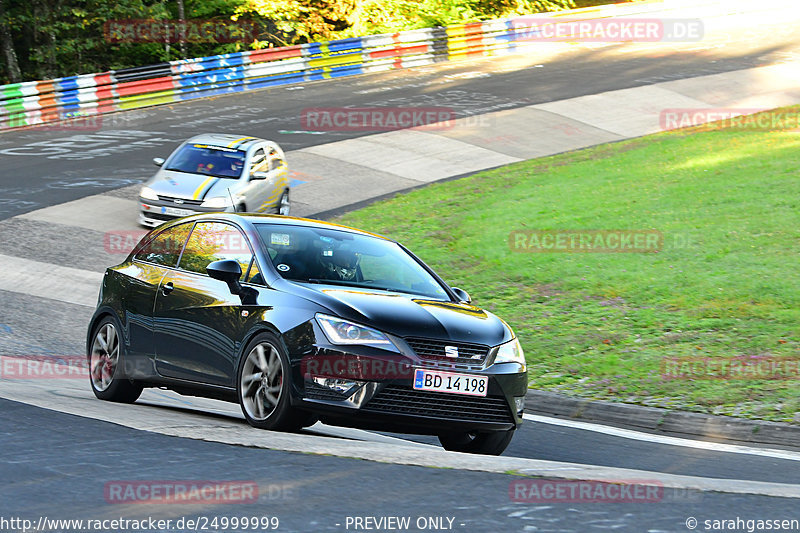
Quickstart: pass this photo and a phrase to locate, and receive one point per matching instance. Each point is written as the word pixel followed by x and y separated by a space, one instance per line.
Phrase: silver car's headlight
pixel 148 194
pixel 217 202
pixel 340 331
pixel 510 352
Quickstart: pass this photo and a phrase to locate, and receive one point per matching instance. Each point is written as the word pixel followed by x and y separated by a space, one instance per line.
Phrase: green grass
pixel 725 284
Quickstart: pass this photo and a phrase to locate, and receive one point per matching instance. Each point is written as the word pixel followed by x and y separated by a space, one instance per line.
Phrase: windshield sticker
pixel 283 267
pixel 280 239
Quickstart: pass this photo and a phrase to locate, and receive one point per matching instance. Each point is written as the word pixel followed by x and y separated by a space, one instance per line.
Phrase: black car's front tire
pixel 492 443
pixel 107 365
pixel 263 387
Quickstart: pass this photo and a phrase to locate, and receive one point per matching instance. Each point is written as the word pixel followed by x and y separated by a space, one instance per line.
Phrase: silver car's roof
pixel 239 142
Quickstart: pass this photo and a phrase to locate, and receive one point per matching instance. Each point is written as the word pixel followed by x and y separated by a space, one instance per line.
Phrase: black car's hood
pixel 407 315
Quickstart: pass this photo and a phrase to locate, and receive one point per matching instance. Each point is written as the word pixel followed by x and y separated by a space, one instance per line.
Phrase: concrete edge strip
pixel 242 435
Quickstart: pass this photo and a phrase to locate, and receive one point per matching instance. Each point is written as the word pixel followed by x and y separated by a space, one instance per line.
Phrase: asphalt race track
pixel 61 448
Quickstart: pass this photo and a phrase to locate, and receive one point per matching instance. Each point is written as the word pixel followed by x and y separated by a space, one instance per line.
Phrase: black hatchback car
pixel 300 320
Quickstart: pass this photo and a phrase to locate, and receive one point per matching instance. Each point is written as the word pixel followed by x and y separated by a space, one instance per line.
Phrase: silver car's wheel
pixel 261 381
pixel 106 365
pixel 284 205
pixel 104 357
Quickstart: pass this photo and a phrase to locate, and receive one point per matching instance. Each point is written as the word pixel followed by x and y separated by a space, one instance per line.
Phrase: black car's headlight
pixel 340 331
pixel 510 352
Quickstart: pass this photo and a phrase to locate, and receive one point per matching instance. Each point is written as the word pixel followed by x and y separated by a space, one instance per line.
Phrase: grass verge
pixel 723 287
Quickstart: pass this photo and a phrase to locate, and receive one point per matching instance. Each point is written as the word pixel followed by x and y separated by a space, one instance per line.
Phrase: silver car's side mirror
pixel 259 175
pixel 463 295
pixel 158 161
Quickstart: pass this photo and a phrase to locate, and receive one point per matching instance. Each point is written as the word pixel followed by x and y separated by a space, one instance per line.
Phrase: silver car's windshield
pixel 208 160
pixel 327 256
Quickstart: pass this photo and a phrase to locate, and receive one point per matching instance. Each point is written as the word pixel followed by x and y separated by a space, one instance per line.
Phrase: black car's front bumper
pixel 387 400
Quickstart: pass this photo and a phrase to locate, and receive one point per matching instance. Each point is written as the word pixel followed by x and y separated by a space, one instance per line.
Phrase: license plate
pixel 450 382
pixel 176 211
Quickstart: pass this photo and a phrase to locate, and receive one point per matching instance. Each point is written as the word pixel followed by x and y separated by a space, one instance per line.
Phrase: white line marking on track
pixel 664 439
pixel 46 280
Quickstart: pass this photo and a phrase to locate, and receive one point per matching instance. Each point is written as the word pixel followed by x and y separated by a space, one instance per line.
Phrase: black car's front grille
pixel 399 400
pixel 459 353
pixel 181 201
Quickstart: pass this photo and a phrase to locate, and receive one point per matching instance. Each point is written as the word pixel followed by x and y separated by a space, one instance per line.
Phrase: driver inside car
pixel 340 265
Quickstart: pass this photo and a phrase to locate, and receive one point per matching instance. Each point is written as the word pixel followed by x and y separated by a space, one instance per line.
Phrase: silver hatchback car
pixel 216 172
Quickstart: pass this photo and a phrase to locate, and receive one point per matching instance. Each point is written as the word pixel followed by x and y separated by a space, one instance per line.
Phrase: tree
pixel 7 47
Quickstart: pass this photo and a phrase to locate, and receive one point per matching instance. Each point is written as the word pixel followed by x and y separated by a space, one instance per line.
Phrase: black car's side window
pixel 254 274
pixel 214 241
pixel 165 248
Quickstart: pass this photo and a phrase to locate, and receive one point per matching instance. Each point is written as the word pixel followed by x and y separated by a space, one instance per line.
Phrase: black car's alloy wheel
pixel 263 387
pixel 106 365
pixel 493 443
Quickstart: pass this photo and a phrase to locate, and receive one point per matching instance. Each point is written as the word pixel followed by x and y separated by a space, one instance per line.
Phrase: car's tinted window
pixel 321 255
pixel 165 248
pixel 210 160
pixel 274 159
pixel 254 274
pixel 259 163
pixel 214 241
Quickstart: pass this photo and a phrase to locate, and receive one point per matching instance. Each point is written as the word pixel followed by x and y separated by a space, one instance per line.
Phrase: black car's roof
pixel 256 218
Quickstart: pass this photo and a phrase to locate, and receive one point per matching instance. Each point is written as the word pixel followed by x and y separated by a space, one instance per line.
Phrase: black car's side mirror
pixel 158 161
pixel 462 295
pixel 229 271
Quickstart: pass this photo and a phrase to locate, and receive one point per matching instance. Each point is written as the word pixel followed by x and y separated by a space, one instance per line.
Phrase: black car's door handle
pixel 167 288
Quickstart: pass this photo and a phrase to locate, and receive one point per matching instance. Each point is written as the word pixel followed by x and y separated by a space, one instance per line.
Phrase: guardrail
pixel 63 99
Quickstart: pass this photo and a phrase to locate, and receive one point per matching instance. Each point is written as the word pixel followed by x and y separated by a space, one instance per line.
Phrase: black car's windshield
pixel 209 160
pixel 328 256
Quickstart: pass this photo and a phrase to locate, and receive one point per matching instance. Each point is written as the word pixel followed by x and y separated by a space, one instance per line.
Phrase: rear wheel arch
pixel 99 315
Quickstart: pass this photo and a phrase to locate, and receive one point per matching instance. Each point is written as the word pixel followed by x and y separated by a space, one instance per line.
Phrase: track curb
pixel 659 420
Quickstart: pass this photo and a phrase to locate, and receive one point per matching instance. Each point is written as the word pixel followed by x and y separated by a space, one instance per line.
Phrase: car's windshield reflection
pixel 325 256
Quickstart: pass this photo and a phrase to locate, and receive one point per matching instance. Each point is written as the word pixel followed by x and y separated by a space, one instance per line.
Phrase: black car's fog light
pixel 344 387
pixel 519 404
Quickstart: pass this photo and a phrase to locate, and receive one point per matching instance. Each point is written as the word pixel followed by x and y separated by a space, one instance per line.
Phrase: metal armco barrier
pixel 41 102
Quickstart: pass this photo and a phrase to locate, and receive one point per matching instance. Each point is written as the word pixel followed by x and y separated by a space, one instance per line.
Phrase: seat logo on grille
pixel 178 201
pixel 451 351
